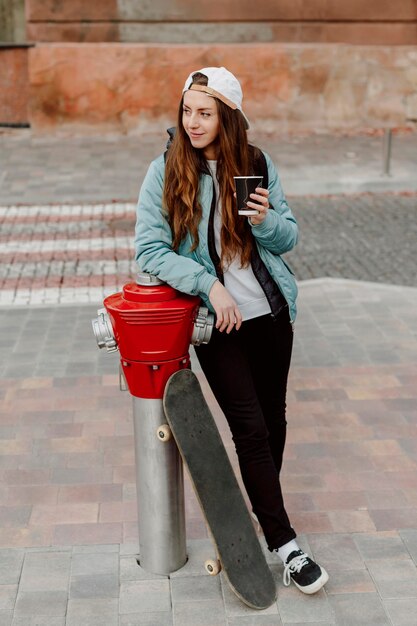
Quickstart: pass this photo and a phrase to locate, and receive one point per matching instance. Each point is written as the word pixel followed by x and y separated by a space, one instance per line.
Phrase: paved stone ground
pixel 78 250
pixel 370 237
pixel 79 253
pixel 57 169
pixel 68 518
pixel 68 531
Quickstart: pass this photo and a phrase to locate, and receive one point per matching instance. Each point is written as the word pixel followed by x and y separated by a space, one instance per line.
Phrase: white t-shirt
pixel 240 282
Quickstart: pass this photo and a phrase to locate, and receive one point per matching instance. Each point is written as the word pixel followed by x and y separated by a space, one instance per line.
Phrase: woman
pixel 190 235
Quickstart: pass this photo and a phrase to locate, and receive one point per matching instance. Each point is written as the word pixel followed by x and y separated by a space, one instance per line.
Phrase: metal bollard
pixel 160 492
pixel 153 325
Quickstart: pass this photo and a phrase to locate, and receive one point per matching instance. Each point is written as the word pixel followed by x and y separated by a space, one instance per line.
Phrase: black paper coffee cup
pixel 245 185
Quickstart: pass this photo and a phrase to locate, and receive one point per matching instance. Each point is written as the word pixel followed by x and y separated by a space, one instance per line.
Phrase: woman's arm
pixel 153 240
pixel 278 232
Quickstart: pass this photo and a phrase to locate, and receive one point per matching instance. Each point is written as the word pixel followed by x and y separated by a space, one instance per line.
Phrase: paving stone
pixel 96 548
pixel 44 571
pixel 8 595
pixel 145 596
pixel 6 618
pixel 394 579
pixel 203 613
pixel 386 519
pixel 129 549
pixel 48 603
pixel 95 586
pixel 48 549
pixel 93 612
pixel 350 581
pixel 351 521
pixel 336 552
pixel 147 619
pixel 380 546
pixel 95 563
pixel 11 562
pixel 196 589
pixel 409 536
pixel 256 620
pixel 296 607
pixel 315 624
pixel 402 612
pixel 88 493
pixel 87 533
pixel 38 620
pixel 359 608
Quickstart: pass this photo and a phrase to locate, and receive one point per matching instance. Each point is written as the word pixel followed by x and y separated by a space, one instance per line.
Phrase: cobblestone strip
pixel 61 210
pixel 35 246
pixel 69 268
pixel 58 295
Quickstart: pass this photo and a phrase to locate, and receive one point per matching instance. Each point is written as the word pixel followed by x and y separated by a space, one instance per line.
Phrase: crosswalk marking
pixel 54 254
pixel 59 245
pixel 62 210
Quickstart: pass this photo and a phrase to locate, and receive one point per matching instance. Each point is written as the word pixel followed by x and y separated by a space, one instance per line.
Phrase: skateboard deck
pixel 200 445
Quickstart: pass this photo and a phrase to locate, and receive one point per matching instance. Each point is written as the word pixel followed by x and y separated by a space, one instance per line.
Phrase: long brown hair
pixel 183 167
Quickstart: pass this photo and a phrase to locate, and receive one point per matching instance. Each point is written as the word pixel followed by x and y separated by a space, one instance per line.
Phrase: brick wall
pixel 228 21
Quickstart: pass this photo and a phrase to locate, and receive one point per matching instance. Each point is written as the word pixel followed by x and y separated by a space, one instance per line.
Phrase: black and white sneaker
pixel 307 575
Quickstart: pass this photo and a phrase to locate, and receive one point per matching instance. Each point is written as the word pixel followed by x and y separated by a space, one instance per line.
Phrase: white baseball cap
pixel 221 84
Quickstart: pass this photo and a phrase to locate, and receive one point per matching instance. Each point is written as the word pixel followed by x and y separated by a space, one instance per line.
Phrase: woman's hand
pixel 260 203
pixel 227 311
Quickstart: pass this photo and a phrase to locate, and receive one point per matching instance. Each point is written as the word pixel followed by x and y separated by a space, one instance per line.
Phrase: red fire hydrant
pixel 153 325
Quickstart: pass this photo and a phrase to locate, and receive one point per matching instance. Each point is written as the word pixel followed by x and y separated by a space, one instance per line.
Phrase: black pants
pixel 247 371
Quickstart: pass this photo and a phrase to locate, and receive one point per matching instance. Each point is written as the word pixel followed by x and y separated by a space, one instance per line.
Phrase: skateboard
pixel 240 555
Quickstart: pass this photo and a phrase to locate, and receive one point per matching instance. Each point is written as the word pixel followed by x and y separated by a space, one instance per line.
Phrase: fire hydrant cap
pixel 148 280
pixel 153 293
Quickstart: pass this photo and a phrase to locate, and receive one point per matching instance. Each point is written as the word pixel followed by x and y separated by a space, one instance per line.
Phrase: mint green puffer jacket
pixel 194 272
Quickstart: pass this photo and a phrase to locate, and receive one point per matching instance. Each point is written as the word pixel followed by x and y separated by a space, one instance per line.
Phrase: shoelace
pixel 293 566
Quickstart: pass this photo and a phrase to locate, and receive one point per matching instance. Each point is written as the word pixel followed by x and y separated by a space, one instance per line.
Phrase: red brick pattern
pixel 72 481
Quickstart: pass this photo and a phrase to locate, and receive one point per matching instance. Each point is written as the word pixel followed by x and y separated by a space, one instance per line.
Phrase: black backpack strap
pixel 171 133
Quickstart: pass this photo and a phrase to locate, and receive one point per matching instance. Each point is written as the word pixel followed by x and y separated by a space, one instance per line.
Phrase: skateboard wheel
pixel 213 567
pixel 164 433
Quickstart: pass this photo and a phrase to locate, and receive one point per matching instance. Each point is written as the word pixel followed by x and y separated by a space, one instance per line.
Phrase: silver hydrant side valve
pixel 203 327
pixel 103 331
